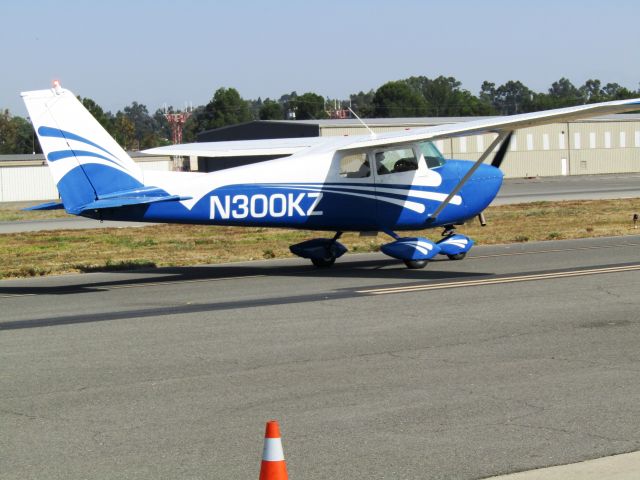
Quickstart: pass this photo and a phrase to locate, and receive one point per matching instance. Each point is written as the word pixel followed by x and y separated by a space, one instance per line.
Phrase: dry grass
pixel 12 212
pixel 42 253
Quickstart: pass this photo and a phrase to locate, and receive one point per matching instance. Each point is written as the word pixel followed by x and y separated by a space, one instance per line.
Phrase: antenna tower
pixel 176 122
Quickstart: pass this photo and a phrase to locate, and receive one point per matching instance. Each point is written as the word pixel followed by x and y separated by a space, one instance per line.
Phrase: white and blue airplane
pixel 389 182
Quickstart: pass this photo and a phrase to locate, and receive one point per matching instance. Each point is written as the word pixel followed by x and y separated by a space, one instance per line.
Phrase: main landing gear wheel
pixel 416 264
pixel 322 252
pixel 457 256
pixel 325 262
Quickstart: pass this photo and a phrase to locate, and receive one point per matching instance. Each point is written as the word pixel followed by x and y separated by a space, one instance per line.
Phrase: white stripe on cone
pixel 273 450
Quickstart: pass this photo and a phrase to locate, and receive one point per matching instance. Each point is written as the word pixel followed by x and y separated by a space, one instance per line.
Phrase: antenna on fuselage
pixel 373 134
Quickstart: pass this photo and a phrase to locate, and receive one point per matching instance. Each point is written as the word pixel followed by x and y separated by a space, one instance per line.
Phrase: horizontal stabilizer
pixel 46 206
pixel 124 201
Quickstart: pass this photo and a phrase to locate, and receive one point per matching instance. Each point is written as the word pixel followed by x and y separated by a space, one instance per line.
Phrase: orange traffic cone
pixel 273 465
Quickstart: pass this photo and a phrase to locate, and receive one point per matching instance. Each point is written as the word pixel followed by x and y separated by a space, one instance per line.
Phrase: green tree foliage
pixel 146 128
pixel 16 135
pixel 563 93
pixel 309 106
pixel 362 103
pixel 163 130
pixel 104 118
pixel 135 128
pixel 271 110
pixel 613 91
pixel 591 91
pixel 124 131
pixel 192 126
pixel 225 108
pixel 398 99
pixel 288 104
pixel 508 99
pixel 446 98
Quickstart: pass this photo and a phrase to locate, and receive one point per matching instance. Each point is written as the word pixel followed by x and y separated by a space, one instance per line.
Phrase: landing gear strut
pixel 331 253
pixel 448 232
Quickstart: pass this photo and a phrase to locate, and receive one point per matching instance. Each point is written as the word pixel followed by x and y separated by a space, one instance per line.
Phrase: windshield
pixel 431 154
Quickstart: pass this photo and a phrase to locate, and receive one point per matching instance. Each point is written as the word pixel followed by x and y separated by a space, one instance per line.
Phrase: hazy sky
pixel 163 51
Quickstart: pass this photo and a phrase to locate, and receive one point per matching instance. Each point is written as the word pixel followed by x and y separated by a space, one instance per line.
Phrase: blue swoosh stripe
pixel 380 191
pixel 60 154
pixel 56 132
pixel 399 186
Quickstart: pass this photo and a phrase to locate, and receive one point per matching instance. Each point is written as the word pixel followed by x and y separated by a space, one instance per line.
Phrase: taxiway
pixel 519 356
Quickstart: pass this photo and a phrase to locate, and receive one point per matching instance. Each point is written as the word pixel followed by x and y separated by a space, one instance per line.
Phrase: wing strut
pixel 502 136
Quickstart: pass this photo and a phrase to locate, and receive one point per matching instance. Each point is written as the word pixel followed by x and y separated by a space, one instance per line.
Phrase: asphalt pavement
pixel 518 357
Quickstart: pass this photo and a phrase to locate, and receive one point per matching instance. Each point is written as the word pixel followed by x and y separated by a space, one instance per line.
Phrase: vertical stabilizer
pixel 85 161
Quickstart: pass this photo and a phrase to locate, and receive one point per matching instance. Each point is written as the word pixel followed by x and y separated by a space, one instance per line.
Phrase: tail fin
pixel 85 161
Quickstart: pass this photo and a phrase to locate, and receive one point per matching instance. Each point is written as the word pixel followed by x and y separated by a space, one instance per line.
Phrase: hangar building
pixel 602 145
pixel 609 144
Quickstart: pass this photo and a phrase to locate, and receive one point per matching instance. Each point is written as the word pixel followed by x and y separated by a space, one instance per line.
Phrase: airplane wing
pixel 240 148
pixel 497 124
pixel 290 146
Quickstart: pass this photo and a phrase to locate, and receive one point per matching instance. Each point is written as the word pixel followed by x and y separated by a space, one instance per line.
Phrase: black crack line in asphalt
pixel 188 308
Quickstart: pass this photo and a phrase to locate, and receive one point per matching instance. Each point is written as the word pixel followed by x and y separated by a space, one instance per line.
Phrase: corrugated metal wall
pixel 26 183
pixel 34 182
pixel 559 149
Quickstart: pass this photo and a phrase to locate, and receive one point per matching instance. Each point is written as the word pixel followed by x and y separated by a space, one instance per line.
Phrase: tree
pixel 591 91
pixel 162 128
pixel 446 97
pixel 510 98
pixel 25 139
pixel 271 110
pixel 288 104
pixel 362 103
pixel 124 131
pixel 398 99
pixel 104 119
pixel 309 106
pixel 16 135
pixel 487 94
pixel 613 91
pixel 564 94
pixel 144 125
pixel 225 108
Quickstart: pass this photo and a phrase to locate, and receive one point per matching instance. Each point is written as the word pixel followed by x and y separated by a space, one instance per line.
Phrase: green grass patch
pixel 52 252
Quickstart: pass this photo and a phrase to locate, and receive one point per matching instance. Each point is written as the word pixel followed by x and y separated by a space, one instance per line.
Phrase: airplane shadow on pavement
pixel 381 269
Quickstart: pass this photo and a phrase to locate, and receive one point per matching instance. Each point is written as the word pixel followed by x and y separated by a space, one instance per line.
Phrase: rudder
pixel 85 161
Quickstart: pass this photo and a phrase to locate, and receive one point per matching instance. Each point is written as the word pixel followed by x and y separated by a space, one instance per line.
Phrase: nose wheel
pixel 453 245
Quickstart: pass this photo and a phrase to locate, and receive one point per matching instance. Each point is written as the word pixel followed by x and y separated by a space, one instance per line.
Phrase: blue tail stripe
pixel 56 132
pixel 60 154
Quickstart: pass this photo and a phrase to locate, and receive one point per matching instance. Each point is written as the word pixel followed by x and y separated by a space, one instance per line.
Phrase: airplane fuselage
pixel 312 193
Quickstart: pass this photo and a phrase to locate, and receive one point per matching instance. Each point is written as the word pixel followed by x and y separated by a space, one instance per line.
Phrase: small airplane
pixel 388 182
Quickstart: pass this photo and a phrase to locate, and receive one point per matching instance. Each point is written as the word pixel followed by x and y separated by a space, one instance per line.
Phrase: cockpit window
pixel 432 155
pixel 355 165
pixel 395 161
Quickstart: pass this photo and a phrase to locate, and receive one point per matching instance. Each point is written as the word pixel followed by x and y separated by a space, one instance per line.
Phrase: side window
pixel 395 161
pixel 355 165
